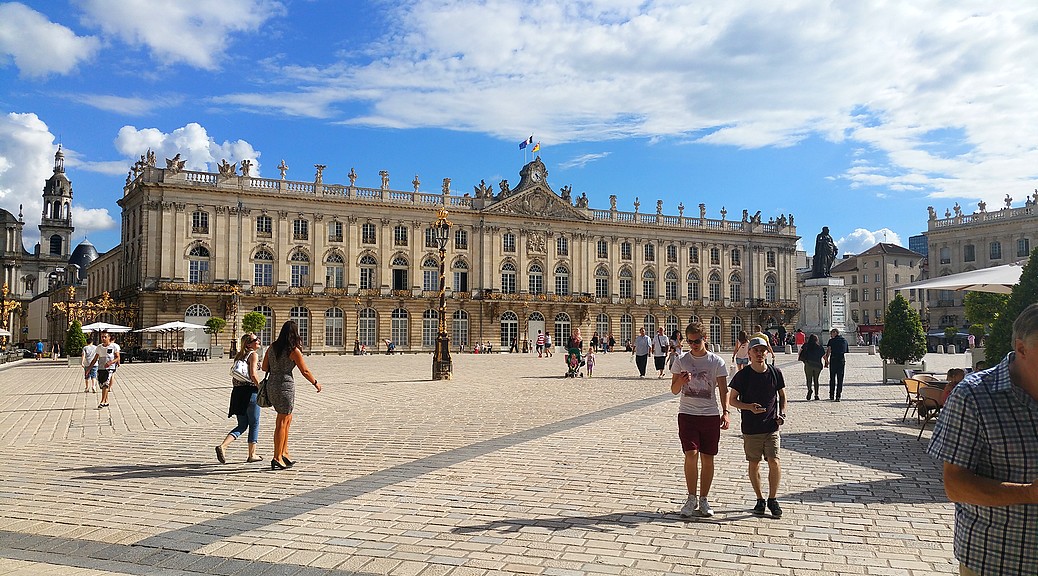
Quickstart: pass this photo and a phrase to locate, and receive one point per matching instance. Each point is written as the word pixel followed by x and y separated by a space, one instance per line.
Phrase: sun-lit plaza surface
pixel 508 468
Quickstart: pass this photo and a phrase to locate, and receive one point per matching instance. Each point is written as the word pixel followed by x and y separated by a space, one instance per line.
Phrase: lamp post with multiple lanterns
pixel 442 368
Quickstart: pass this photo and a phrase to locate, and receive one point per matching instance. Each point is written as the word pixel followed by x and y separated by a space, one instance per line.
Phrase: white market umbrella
pixel 105 327
pixel 4 333
pixel 998 279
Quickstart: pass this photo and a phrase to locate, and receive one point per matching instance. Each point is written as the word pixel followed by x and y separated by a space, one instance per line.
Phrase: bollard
pixel 789 348
pixel 940 348
pixel 872 350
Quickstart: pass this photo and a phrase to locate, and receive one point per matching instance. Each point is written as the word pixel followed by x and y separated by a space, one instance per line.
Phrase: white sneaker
pixel 704 508
pixel 691 506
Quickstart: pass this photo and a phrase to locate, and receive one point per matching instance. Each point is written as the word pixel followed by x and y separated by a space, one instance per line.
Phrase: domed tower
pixel 56 226
pixel 82 256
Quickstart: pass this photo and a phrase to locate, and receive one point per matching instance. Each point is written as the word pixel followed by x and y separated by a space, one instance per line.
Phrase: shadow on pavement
pixel 192 469
pixel 603 523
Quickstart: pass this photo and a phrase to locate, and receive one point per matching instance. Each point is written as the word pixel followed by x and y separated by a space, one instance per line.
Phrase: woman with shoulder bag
pixel 811 355
pixel 245 379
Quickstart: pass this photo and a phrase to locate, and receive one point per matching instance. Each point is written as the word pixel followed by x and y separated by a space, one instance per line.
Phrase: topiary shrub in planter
pixel 75 341
pixel 904 342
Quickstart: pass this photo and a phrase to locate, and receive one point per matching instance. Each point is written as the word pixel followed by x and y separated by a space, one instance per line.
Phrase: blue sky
pixel 852 115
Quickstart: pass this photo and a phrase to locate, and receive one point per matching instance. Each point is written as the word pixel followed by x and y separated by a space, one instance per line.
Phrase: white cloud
pixel 38 46
pixel 583 160
pixel 26 161
pixel 195 32
pixel 89 220
pixel 128 105
pixel 937 93
pixel 861 240
pixel 192 142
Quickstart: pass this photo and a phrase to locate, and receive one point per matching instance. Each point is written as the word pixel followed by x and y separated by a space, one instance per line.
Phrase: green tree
pixel 253 322
pixel 1025 293
pixel 903 338
pixel 75 340
pixel 979 332
pixel 215 325
pixel 950 332
pixel 984 308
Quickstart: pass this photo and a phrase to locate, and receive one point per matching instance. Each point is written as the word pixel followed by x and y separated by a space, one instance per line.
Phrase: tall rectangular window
pixel 602 249
pixel 650 252
pixel 996 250
pixel 263 274
pixel 969 253
pixel 561 246
pixel 693 255
pixel 367 233
pixel 625 251
pixel 300 229
pixel 508 242
pixel 1023 248
pixel 264 226
pixel 461 240
pixel 335 231
pixel 672 254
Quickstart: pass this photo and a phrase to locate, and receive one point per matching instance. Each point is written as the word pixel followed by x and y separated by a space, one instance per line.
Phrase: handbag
pixel 240 369
pixel 262 400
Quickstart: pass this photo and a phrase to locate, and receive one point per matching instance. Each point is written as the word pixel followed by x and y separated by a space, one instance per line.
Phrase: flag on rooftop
pixel 525 143
pixel 537 147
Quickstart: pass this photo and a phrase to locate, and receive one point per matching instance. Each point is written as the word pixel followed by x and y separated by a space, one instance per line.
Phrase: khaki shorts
pixel 757 446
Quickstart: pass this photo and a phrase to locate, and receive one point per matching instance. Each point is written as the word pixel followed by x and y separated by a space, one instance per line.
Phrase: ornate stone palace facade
pixel 962 242
pixel 352 263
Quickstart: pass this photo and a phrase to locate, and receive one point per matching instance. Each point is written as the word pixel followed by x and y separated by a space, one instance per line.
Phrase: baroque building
pixel 962 242
pixel 350 263
pixel 872 278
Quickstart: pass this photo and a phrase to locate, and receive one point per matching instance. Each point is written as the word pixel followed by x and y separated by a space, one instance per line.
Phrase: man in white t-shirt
pixel 700 377
pixel 107 360
pixel 90 377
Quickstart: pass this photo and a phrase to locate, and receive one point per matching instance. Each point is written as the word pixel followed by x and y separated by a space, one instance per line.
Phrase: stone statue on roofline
pixel 1009 201
pixel 933 213
pixel 227 169
pixel 175 165
pixel 582 200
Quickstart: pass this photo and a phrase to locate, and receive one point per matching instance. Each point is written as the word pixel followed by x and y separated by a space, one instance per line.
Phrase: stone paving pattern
pixel 507 469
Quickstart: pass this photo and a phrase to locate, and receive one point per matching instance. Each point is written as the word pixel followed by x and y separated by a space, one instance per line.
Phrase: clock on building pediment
pixel 532 174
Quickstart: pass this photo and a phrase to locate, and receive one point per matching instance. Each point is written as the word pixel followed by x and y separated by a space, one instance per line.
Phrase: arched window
pixel 736 328
pixel 649 323
pixel 693 319
pixel 301 315
pixel 694 293
pixel 460 269
pixel 460 327
pixel 626 329
pixel 770 288
pixel 399 322
pixel 263 268
pixel 197 311
pixel 735 288
pixel 335 271
pixel 509 329
pixel 715 287
pixel 367 327
pixel 562 280
pixel 536 279
pixel 430 274
pixel 198 264
pixel 508 274
pixel 671 285
pixel 299 265
pixel 649 283
pixel 715 330
pixel 601 282
pixel 368 266
pixel 266 334
pixel 626 283
pixel 562 329
pixel 400 268
pixel 430 328
pixel 602 326
pixel 334 327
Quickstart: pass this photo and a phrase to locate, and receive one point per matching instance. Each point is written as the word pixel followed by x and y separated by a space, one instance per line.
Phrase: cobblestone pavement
pixel 508 469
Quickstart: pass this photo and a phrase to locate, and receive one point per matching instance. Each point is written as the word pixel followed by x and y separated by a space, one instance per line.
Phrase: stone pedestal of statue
pixel 823 306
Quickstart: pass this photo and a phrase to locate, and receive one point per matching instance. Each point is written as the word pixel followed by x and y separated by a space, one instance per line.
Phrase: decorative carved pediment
pixel 537 201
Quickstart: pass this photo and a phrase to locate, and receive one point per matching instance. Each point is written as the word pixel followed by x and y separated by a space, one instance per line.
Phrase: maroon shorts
pixel 699 433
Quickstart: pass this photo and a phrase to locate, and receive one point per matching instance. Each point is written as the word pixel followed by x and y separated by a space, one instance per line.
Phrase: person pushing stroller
pixel 574 355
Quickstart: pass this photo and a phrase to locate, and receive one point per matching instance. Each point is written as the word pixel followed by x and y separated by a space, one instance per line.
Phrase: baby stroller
pixel 574 362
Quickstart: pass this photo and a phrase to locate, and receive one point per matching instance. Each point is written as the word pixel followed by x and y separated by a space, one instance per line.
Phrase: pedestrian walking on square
pixel 610 342
pixel 835 359
pixel 700 377
pixel 595 341
pixel 90 374
pixel 799 339
pixel 759 394
pixel 106 358
pixel 640 350
pixel 39 349
pixel 674 349
pixel 284 355
pixel 540 344
pixel 590 361
pixel 549 346
pixel 811 354
pixel 741 354
pixel 245 386
pixel 985 439
pixel 660 347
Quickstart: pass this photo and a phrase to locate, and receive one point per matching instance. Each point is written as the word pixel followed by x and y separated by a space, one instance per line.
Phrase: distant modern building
pixel 871 278
pixel 962 242
pixel 349 263
pixel 918 244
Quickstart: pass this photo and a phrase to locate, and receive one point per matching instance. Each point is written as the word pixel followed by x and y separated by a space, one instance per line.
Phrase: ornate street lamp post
pixel 442 368
pixel 6 306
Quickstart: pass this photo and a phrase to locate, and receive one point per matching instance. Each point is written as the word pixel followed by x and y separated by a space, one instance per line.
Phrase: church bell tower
pixel 56 226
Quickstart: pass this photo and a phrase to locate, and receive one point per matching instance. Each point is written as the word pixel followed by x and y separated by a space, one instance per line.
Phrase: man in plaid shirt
pixel 987 438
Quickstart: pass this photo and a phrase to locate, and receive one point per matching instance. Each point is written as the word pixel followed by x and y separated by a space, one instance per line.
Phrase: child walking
pixel 590 361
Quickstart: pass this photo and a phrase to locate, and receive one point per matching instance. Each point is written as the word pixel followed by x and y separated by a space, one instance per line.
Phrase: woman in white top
pixel 741 354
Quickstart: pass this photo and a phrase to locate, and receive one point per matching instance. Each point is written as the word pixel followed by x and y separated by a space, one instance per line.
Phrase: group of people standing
pixel 817 357
pixel 279 361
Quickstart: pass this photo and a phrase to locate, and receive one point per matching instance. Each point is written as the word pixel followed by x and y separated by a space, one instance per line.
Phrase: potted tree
pixel 950 333
pixel 253 322
pixel 904 342
pixel 1000 340
pixel 214 326
pixel 75 341
pixel 982 309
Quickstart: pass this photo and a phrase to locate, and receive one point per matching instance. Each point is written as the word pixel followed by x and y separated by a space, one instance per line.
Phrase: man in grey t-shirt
pixel 642 347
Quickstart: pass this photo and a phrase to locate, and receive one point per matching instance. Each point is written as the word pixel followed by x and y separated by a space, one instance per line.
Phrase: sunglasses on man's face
pixel 694 340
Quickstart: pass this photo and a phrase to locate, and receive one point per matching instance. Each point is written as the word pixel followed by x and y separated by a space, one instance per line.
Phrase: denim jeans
pixel 249 420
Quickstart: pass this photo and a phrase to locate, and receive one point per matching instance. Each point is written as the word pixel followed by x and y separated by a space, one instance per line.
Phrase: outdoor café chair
pixel 929 404
pixel 911 395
